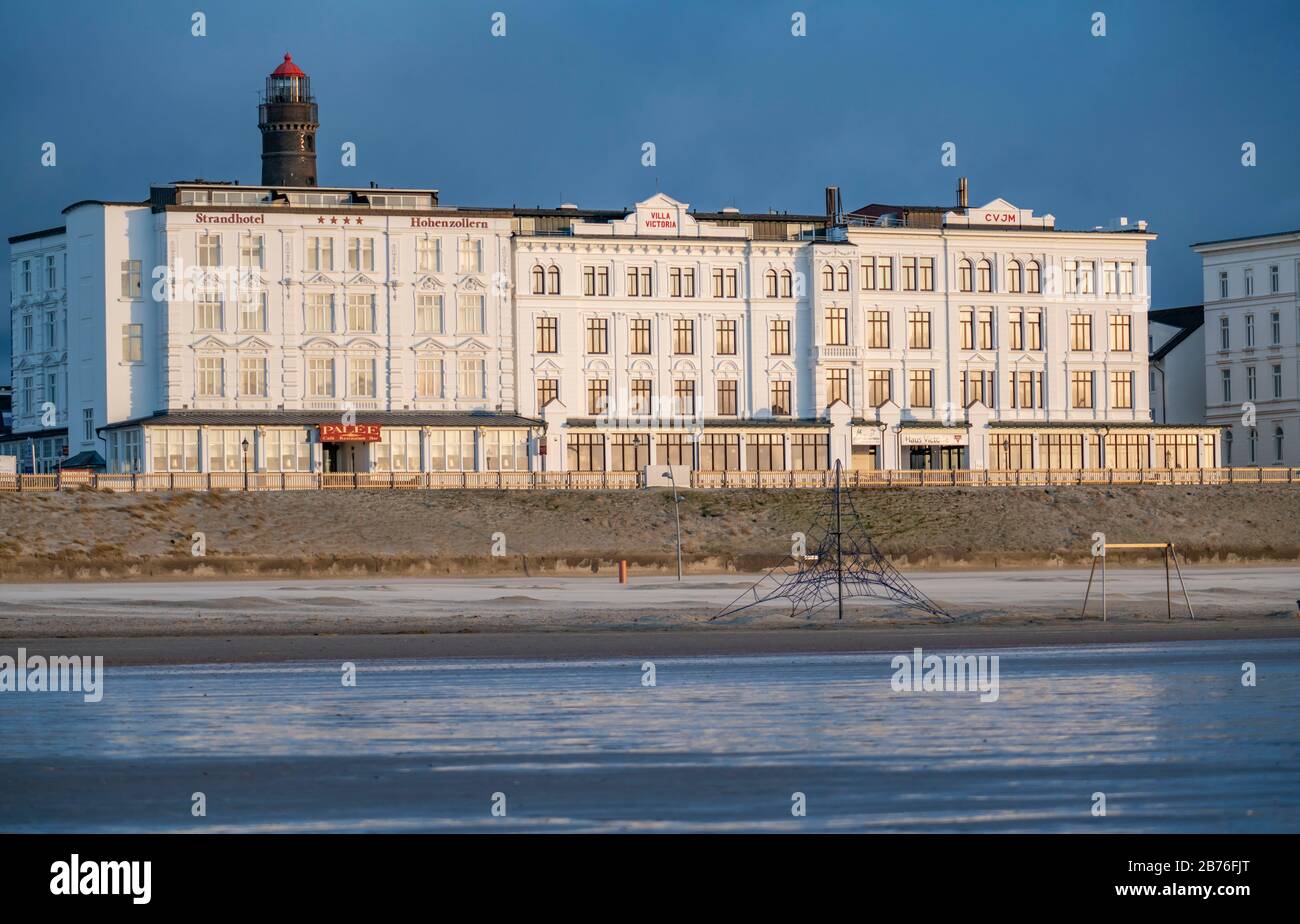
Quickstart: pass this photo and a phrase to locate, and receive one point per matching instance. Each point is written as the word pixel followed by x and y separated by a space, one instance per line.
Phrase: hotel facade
pixel 284 327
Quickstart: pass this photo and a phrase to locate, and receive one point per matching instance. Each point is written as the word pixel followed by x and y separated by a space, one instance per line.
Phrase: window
pixel 361 313
pixel 1121 390
pixel 837 386
pixel 548 335
pixel 1223 332
pixel 726 338
pixel 1223 285
pixel 1013 276
pixel 720 452
pixel 586 452
pixel 769 284
pixel 640 281
pixel 361 377
pixel 727 398
pixel 828 278
pixel 1033 278
pixel 1087 269
pixel 52 273
pixel 683 336
pixel 226 452
pixel 1274 279
pixel 781 398
pixel 884 273
pixel 787 284
pixel 986 330
pixel 909 274
pixel 1012 451
pixel 1126 451
pixel 967 324
pixel 361 254
pixel 451 451
pixel 552 280
pixel 1225 378
pixel 1253 443
pixel 640 337
pixel 131 279
pixel 471 383
pixel 779 338
pixel 428 255
pixel 1016 327
pixel 1081 332
pixel 879 386
pixel 598 335
pixel 29 336
pixel 629 452
pixel 320 312
pixel 681 282
pixel 1034 331
pixel 470 311
pixel 674 449
pixel 548 390
pixel 1110 277
pixel 1250 282
pixel 842 278
pixel 320 253
pixel 920 387
pixel 977 385
pixel 868 273
pixel 209 248
pixel 837 326
pixel 539 280
pixel 469 252
pixel 320 377
pixel 965 276
pixel 87 424
pixel 918 330
pixel 927 274
pixel 209 376
pixel 1121 333
pixel 1061 451
pixel 176 450
pixel 810 452
pixel 1278 444
pixel 397 451
pixel 208 313
pixel 252 251
pixel 878 330
pixel 1277 381
pixel 252 377
pixel 684 397
pixel 1081 389
pixel 764 452
pixel 984 276
pixel 1250 331
pixel 428 377
pixel 428 314
pixel 724 283
pixel 252 311
pixel 1126 278
pixel 132 343
pixel 642 396
pixel 1026 389
pixel 595 280
pixel 27 276
pixel 598 397
pixel 1250 383
pixel 1275 327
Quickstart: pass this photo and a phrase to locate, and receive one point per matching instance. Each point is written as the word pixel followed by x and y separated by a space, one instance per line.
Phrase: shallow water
pixel 1166 731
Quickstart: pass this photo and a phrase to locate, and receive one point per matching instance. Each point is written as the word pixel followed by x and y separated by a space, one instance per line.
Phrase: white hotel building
pixel 1252 346
pixel 290 328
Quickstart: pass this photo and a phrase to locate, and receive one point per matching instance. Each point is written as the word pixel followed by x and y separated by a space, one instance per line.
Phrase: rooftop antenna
pixel 843 562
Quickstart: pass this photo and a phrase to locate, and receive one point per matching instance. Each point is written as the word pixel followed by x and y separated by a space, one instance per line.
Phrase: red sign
pixel 349 433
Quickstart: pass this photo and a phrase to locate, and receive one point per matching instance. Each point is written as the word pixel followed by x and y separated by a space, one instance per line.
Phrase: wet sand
pixel 558 618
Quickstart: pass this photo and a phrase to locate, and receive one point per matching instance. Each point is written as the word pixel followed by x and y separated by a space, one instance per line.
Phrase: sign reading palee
pixel 349 433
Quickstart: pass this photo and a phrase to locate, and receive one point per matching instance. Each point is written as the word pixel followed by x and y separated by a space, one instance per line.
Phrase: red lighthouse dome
pixel 287 68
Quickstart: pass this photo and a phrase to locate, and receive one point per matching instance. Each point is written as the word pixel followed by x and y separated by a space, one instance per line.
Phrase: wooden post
pixel 1091 572
pixel 1103 583
pixel 1169 600
pixel 622 571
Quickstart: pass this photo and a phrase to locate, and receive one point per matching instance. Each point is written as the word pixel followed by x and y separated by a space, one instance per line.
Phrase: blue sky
pixel 1147 122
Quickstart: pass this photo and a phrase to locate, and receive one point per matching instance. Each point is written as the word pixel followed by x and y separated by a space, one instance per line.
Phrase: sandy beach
pixel 574 617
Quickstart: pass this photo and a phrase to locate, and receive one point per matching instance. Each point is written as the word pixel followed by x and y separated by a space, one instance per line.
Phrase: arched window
pixel 1033 280
pixel 964 281
pixel 828 278
pixel 1278 438
pixel 842 278
pixel 539 281
pixel 769 283
pixel 553 280
pixel 984 276
pixel 1013 276
pixel 787 284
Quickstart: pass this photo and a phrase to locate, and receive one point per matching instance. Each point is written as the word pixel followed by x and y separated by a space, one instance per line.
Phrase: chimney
pixel 963 194
pixel 832 202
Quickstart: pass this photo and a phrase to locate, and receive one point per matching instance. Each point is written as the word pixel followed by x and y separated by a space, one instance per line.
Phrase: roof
pixel 87 459
pixel 315 418
pixel 1188 319
pixel 1251 237
pixel 287 68
pixel 82 202
pixel 34 434
pixel 33 235
pixel 730 422
pixel 1092 425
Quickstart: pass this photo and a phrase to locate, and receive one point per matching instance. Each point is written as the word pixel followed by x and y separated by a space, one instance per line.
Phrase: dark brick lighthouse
pixel 287 118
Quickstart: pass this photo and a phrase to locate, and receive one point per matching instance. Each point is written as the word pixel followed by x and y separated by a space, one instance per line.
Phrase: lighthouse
pixel 288 120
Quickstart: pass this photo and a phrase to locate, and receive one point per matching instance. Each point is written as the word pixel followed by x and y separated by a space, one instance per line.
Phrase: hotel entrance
pixel 346 447
pixel 928 448
pixel 941 457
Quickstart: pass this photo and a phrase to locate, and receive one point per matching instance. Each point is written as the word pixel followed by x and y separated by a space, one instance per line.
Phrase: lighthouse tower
pixel 288 120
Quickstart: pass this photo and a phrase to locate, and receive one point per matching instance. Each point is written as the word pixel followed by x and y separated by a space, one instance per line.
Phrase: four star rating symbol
pixel 347 220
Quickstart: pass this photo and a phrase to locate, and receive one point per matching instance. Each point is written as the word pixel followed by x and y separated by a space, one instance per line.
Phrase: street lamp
pixel 244 445
pixel 677 515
